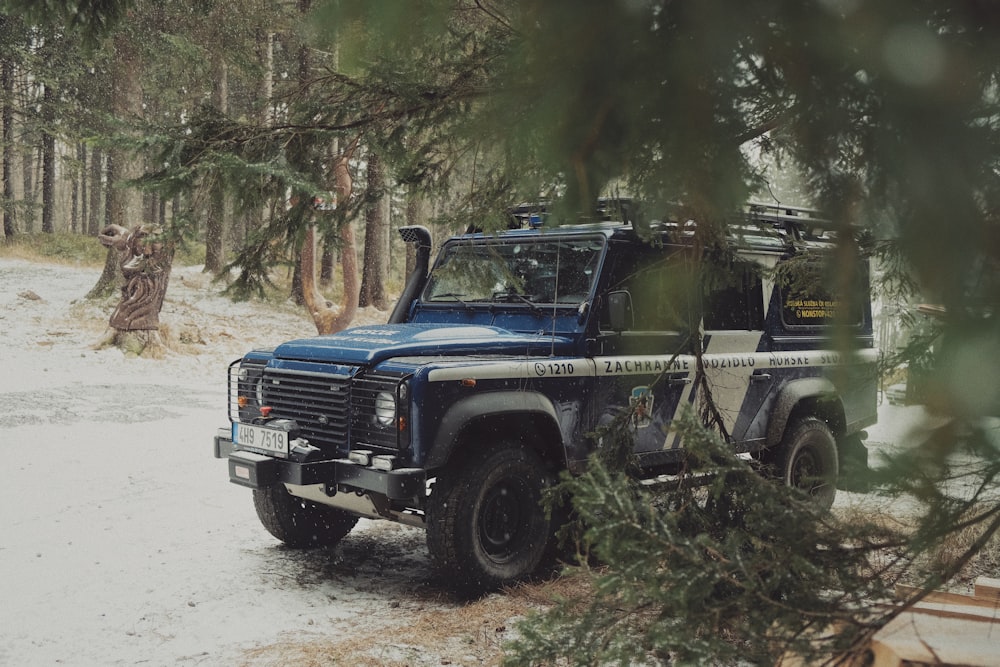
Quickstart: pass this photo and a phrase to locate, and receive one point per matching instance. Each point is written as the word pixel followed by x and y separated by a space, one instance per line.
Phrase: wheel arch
pixel 812 396
pixel 484 416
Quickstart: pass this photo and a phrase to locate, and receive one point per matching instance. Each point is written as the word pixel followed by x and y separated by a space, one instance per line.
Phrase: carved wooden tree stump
pixel 145 261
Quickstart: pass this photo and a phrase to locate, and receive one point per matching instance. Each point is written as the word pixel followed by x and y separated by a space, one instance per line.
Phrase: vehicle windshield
pixel 536 271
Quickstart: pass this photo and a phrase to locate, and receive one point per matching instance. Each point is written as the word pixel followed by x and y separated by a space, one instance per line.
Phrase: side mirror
pixel 620 311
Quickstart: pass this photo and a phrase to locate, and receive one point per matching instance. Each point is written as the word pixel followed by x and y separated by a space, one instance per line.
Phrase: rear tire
pixel 807 460
pixel 486 527
pixel 300 523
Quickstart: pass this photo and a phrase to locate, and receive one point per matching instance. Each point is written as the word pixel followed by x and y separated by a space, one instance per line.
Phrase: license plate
pixel 261 438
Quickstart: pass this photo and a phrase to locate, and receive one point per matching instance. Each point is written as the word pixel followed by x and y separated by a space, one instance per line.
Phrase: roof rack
pixel 801 224
pixel 796 223
pixel 783 213
pixel 606 209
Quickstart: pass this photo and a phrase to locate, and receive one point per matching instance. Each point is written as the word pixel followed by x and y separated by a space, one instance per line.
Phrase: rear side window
pixel 808 298
pixel 734 300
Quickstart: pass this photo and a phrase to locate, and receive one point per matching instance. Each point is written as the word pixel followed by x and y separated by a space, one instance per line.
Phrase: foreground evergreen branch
pixel 739 570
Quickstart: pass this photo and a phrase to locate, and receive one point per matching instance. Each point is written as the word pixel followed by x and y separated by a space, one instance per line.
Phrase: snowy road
pixel 122 540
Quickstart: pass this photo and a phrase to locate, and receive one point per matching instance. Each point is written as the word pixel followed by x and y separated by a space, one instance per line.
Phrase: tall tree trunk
pixel 216 225
pixel 299 282
pixel 48 161
pixel 28 196
pixel 327 263
pixel 329 248
pixel 95 218
pixel 110 169
pixel 105 285
pixel 7 84
pixel 78 215
pixel 329 320
pixel 376 237
pixel 124 202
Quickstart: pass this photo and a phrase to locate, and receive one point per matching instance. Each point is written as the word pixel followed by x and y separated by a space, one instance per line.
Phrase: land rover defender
pixel 499 365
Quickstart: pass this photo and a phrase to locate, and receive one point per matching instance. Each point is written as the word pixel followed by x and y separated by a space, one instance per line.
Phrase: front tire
pixel 486 527
pixel 298 522
pixel 807 460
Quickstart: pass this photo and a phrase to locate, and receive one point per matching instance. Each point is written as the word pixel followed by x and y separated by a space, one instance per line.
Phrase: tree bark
pixel 327 263
pixel 299 286
pixel 327 319
pixel 110 174
pixel 96 216
pixel 376 237
pixel 7 84
pixel 124 202
pixel 48 161
pixel 81 155
pixel 217 224
pixel 28 196
pixel 109 276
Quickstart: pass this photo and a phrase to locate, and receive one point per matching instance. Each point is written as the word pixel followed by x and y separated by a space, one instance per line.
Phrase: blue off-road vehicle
pixel 499 366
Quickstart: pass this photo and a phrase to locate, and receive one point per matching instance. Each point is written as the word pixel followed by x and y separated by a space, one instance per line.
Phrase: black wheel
pixel 485 524
pixel 807 459
pixel 298 522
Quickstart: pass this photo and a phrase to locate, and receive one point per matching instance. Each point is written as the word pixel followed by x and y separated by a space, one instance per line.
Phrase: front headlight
pixel 249 386
pixel 385 408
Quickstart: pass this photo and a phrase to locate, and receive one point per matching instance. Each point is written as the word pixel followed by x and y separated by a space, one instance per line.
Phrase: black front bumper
pixel 257 471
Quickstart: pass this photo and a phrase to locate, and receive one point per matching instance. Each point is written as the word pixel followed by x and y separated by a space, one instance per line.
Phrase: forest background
pixel 251 128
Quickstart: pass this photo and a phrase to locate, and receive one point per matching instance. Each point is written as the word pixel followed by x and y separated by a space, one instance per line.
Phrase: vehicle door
pixel 735 379
pixel 644 371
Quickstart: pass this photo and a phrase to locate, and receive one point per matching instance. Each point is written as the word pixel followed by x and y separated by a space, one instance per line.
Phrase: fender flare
pixel 490 404
pixel 790 396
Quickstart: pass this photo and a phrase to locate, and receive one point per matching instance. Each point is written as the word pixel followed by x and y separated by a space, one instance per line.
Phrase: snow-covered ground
pixel 122 541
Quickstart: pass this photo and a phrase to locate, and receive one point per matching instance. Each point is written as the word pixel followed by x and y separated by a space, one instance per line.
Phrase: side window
pixel 734 301
pixel 659 282
pixel 806 297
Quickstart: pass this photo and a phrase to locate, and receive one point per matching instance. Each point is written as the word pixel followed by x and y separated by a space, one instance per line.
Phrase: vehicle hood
pixel 373 344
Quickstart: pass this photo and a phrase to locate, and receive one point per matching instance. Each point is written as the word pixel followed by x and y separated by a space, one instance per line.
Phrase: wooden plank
pixel 959 611
pixel 941 597
pixel 987 589
pixel 922 638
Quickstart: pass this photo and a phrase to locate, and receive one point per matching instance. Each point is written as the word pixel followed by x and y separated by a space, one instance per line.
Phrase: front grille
pixel 334 412
pixel 318 402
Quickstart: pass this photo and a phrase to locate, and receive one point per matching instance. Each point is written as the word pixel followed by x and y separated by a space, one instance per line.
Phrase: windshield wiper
pixel 507 296
pixel 453 295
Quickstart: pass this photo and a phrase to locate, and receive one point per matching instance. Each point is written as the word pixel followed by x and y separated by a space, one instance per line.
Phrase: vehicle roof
pixel 760 227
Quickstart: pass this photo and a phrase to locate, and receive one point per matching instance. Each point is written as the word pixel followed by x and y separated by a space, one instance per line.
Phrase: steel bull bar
pixel 257 471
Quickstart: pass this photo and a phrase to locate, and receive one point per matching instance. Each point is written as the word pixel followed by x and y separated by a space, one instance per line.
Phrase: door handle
pixel 678 382
pixel 760 378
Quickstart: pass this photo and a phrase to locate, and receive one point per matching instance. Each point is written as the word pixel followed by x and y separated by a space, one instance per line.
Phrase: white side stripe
pixel 645 364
